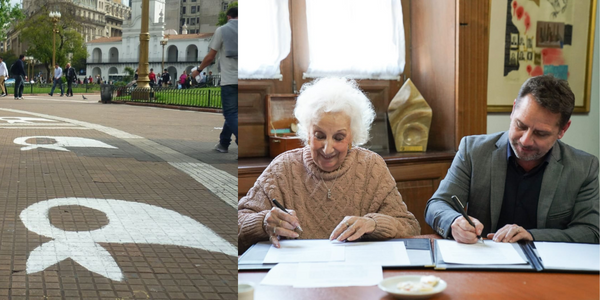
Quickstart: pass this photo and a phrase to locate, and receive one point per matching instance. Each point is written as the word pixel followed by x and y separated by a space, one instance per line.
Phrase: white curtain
pixel 355 38
pixel 264 38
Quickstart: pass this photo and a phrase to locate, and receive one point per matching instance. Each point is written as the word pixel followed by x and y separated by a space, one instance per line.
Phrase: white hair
pixel 334 95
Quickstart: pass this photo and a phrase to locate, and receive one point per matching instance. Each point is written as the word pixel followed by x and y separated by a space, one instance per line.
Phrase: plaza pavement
pixel 151 173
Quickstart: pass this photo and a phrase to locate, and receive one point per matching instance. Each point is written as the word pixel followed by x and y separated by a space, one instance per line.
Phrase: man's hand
pixel 463 232
pixel 510 234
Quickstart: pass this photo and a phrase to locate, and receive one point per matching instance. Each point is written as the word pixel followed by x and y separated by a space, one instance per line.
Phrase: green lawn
pixel 45 89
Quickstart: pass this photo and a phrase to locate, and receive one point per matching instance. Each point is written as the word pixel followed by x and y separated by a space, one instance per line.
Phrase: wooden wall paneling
pixel 433 58
pixel 414 194
pixel 417 183
pixel 253 141
pixel 407 32
pixel 472 64
pixel 299 42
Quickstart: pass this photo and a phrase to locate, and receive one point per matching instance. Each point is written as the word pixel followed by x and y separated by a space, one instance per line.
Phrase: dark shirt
pixel 521 192
pixel 18 68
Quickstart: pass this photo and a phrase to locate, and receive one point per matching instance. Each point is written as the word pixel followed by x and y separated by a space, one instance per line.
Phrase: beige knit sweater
pixel 364 187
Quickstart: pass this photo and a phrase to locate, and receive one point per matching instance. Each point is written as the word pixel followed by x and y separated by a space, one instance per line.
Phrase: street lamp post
pixel 143 81
pixel 163 42
pixel 30 64
pixel 54 17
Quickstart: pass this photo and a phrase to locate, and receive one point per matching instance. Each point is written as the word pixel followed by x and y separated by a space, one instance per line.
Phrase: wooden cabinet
pixel 447 46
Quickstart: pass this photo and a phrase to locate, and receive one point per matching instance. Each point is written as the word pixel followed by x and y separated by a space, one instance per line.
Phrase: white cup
pixel 245 290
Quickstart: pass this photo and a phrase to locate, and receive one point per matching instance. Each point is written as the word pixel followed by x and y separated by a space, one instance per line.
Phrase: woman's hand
pixel 352 228
pixel 278 224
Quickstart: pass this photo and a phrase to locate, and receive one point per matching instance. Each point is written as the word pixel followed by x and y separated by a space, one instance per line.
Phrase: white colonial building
pixel 108 57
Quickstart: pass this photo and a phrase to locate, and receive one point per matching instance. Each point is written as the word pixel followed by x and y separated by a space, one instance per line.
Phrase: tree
pixel 223 14
pixel 8 15
pixel 36 32
pixel 130 75
pixel 9 58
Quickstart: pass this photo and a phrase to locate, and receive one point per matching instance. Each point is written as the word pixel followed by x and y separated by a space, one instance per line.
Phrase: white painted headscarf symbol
pixel 62 143
pixel 129 222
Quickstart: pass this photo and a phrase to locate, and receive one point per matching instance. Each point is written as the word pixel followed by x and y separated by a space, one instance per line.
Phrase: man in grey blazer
pixel 524 184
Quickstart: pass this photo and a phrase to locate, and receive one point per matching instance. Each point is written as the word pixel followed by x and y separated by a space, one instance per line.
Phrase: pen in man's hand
pixel 464 214
pixel 283 208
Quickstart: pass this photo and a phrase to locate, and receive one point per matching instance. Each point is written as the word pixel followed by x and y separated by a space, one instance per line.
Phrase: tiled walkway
pixel 114 202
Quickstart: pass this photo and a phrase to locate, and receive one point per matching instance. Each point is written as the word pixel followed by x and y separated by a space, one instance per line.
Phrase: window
pixel 193 10
pixel 184 10
pixel 198 20
pixel 338 48
pixel 193 21
pixel 225 5
pixel 271 18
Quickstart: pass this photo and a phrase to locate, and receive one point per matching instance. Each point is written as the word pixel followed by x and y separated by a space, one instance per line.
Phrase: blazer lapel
pixel 498 171
pixel 549 185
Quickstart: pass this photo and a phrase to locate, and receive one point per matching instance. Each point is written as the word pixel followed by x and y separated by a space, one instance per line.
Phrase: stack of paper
pixel 321 263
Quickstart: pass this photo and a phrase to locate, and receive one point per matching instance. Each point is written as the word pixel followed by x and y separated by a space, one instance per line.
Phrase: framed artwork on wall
pixel 535 37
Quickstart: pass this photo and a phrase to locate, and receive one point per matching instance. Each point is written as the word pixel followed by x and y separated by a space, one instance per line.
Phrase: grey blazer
pixel 568 202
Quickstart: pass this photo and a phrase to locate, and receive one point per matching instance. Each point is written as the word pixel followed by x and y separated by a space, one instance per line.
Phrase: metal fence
pixel 208 97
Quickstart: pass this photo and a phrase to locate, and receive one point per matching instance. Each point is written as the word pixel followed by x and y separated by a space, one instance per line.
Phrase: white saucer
pixel 390 285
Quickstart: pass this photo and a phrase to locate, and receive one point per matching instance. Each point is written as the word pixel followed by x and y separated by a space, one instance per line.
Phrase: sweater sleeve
pixel 253 207
pixel 392 218
pixel 252 210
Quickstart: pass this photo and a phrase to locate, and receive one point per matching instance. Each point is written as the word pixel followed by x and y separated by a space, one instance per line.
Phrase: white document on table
pixel 569 256
pixel 305 251
pixel 487 253
pixel 382 253
pixel 281 274
pixel 313 275
pixel 332 274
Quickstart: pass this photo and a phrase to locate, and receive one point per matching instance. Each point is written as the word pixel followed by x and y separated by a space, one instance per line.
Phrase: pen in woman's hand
pixel 464 214
pixel 285 210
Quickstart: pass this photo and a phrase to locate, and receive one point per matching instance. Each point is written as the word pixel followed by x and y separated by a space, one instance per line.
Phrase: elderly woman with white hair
pixel 332 188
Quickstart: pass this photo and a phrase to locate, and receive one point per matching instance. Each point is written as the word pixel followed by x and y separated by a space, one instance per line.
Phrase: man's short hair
pixel 232 12
pixel 553 94
pixel 21 56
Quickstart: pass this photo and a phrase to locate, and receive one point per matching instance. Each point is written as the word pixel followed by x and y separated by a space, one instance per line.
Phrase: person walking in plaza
pixel 225 42
pixel 182 80
pixel 3 76
pixel 70 73
pixel 57 79
pixel 152 78
pixel 18 71
pixel 166 78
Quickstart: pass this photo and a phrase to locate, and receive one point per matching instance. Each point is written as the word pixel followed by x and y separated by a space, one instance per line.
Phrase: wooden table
pixel 487 285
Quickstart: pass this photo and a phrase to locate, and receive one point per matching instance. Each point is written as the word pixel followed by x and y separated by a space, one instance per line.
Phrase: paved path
pixel 114 202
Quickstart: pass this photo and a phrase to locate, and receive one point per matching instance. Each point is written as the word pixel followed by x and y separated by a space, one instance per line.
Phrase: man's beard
pixel 533 156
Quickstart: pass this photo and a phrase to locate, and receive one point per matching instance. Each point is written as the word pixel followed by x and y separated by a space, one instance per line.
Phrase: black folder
pixel 527 251
pixel 419 254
